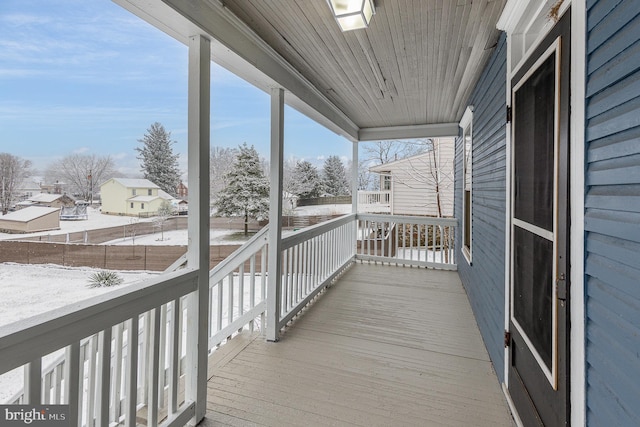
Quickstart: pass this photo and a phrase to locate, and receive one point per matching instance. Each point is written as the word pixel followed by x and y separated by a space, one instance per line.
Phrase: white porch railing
pixel 237 290
pixel 110 373
pixel 124 353
pixel 407 240
pixel 375 201
pixel 312 259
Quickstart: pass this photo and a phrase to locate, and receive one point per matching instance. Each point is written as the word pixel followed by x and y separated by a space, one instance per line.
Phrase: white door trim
pixel 515 14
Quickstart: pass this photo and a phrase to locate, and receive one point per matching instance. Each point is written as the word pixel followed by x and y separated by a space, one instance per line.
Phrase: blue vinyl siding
pixel 484 280
pixel 612 213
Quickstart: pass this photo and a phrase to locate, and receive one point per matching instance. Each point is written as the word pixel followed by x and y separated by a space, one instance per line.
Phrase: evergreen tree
pixel 306 181
pixel 334 177
pixel 247 191
pixel 159 164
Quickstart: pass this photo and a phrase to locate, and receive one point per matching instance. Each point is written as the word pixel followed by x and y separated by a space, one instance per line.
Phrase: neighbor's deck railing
pixel 407 240
pixel 375 201
pixel 107 383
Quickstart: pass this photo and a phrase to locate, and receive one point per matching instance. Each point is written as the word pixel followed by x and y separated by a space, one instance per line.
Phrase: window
pixel 131 205
pixel 386 182
pixel 149 191
pixel 467 181
pixel 141 205
pixel 133 191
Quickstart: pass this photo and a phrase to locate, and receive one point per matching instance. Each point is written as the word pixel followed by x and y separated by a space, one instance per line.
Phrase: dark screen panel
pixel 532 289
pixel 534 147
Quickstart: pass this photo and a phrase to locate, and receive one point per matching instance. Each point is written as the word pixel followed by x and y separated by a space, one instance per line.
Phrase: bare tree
pixel 428 171
pixel 380 152
pixel 165 210
pixel 13 171
pixel 82 173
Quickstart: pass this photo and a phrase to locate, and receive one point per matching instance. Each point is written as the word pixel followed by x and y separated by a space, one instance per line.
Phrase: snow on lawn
pixel 341 209
pixel 179 237
pixel 27 290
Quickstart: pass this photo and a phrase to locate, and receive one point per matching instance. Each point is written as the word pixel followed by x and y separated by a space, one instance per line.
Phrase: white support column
pixel 198 225
pixel 32 382
pixel 354 178
pixel 275 214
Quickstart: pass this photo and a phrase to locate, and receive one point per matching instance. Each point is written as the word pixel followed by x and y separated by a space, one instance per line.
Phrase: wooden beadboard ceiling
pixel 416 64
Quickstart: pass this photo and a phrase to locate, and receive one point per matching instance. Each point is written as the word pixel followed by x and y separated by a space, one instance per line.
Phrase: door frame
pixel 525 23
pixel 551 373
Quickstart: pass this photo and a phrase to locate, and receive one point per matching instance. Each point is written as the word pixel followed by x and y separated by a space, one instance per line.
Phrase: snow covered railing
pixel 110 374
pixel 407 240
pixel 237 290
pixel 374 201
pixel 311 260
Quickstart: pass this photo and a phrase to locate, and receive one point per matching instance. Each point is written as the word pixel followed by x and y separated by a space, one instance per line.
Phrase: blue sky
pixel 86 76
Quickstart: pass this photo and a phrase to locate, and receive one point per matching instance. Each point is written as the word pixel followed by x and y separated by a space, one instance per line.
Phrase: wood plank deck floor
pixel 384 346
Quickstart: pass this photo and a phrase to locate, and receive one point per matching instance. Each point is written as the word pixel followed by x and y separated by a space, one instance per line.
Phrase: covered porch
pixel 359 342
pixel 384 345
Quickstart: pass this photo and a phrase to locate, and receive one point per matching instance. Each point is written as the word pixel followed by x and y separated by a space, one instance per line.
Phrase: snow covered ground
pixel 323 210
pixel 179 237
pixel 27 290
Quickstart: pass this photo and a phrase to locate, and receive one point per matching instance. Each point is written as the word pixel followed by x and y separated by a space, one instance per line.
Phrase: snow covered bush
pixel 104 279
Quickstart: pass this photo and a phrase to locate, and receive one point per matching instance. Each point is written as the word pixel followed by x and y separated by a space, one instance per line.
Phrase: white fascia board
pixel 237 48
pixel 511 15
pixel 437 130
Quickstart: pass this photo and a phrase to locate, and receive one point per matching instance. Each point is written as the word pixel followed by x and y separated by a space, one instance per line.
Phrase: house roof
pixel 386 167
pixel 44 198
pixel 135 182
pixel 29 185
pixel 163 194
pixel 409 74
pixel 142 199
pixel 28 214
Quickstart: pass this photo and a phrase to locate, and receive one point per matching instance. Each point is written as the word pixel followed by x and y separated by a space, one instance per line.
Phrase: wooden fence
pixel 138 257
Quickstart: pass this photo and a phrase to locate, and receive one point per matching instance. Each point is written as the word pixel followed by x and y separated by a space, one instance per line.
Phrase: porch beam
pixel 275 215
pixel 199 94
pixel 437 130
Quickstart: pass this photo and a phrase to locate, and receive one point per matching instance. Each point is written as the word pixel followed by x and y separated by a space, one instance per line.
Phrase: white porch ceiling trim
pixel 237 48
pixel 437 130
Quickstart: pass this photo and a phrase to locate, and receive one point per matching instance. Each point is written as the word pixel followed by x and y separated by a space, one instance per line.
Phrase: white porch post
pixel 354 178
pixel 198 223
pixel 275 214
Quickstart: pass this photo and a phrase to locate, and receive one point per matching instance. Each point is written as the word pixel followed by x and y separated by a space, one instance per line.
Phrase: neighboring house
pixel 31 219
pixel 47 200
pixel 131 197
pixel 55 188
pixel 417 185
pixel 27 189
pixel 182 191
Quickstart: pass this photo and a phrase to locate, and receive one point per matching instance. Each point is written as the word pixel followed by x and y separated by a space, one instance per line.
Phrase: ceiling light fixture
pixel 352 14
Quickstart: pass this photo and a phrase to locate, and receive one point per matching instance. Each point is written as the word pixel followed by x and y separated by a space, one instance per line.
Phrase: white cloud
pixel 81 150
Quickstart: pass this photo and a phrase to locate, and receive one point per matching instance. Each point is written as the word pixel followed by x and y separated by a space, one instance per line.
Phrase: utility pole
pixel 90 188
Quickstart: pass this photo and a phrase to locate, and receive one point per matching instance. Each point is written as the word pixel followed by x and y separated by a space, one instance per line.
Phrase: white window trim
pixel 467 123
